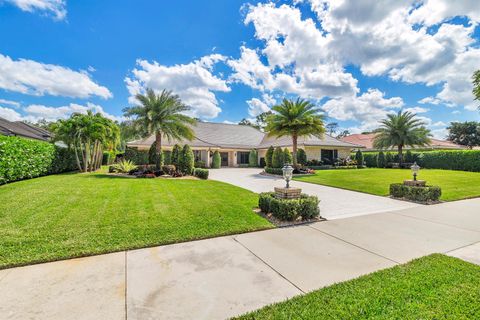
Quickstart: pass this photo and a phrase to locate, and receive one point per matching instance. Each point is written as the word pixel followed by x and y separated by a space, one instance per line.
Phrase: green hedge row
pixel 283 209
pixel 463 160
pixel 420 194
pixel 200 173
pixel 22 158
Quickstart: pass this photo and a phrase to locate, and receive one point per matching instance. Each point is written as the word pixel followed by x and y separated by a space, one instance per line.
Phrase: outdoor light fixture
pixel 287 174
pixel 415 168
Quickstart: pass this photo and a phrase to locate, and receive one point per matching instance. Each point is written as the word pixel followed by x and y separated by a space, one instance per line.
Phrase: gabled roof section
pixel 22 129
pixel 233 136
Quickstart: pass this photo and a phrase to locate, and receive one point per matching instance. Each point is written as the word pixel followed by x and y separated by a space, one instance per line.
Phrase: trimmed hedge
pixel 216 160
pixel 201 173
pixel 139 157
pixel 289 209
pixel 420 194
pixel 463 160
pixel 277 171
pixel 22 158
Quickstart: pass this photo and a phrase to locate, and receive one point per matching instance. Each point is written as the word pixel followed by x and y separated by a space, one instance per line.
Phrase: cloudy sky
pixel 228 60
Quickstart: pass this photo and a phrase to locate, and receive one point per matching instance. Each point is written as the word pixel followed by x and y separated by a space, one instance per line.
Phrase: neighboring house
pixel 234 143
pixel 21 129
pixel 366 140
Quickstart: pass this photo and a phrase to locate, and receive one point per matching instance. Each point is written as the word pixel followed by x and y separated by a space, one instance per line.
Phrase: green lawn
pixel 455 185
pixel 433 287
pixel 69 215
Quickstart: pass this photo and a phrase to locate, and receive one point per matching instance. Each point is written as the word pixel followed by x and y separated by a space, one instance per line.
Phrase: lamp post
pixel 415 168
pixel 287 174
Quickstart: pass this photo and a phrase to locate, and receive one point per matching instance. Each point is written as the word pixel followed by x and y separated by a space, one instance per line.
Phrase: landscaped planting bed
pixel 71 215
pixel 433 287
pixel 455 185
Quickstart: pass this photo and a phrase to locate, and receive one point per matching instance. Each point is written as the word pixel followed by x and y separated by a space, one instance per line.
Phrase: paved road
pixel 223 277
pixel 334 203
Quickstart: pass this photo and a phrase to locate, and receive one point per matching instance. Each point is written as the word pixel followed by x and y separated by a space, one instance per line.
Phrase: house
pixel 366 140
pixel 234 143
pixel 22 129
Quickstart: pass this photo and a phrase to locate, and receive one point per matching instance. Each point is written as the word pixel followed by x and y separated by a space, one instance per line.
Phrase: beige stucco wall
pixel 313 153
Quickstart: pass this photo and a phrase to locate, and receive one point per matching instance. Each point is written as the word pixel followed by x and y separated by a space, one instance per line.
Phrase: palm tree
pixel 296 119
pixel 401 130
pixel 162 115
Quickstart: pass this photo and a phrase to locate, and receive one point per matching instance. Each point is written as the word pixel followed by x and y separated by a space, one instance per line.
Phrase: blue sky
pixel 229 60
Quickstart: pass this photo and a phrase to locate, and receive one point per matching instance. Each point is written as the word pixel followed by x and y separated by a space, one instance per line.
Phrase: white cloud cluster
pixel 56 8
pixel 35 112
pixel 10 103
pixel 35 78
pixel 412 41
pixel 194 82
pixel 257 106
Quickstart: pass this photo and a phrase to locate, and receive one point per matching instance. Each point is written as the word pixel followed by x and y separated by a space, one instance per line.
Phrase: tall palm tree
pixel 162 115
pixel 295 119
pixel 401 130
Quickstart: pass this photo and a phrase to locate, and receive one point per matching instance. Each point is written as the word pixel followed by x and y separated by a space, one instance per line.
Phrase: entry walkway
pixel 223 277
pixel 334 202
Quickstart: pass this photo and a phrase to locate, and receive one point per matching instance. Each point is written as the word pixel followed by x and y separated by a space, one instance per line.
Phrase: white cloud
pixel 10 103
pixel 194 82
pixel 257 106
pixel 35 112
pixel 10 114
pixel 56 8
pixel 417 110
pixel 34 78
pixel 368 108
pixel 430 100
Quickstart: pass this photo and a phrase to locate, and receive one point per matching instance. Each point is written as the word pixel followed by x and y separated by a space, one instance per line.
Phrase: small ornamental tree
pixel 277 158
pixel 359 158
pixel 253 158
pixel 381 161
pixel 187 160
pixel 287 157
pixel 176 154
pixel 269 157
pixel 301 157
pixel 217 160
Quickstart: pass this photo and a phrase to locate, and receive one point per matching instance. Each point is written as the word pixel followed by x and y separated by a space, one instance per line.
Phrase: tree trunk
pixel 158 148
pixel 294 153
pixel 76 155
pixel 400 155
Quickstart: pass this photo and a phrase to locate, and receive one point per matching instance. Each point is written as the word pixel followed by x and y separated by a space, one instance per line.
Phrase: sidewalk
pixel 223 277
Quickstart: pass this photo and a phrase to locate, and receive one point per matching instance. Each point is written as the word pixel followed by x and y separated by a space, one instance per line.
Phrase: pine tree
pixel 269 157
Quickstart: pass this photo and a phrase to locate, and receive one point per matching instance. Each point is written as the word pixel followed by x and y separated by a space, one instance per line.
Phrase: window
pixel 197 154
pixel 242 157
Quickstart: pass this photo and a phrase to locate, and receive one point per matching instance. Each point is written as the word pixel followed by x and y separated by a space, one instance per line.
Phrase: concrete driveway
pixel 334 202
pixel 227 276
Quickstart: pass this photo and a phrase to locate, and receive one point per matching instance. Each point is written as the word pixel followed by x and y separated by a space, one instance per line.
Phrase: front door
pixel 224 156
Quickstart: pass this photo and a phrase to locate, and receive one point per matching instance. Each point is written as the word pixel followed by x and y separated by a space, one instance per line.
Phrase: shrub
pixel 370 159
pixel 169 169
pixel 409 158
pixel 381 161
pixel 124 166
pixel 389 159
pixel 287 157
pixel 359 159
pixel 289 209
pixel 216 160
pixel 277 171
pixel 253 158
pixel 22 158
pixel 152 156
pixel 277 158
pixel 269 156
pixel 187 160
pixel 108 157
pixel 167 157
pixel 176 155
pixel 301 157
pixel 420 194
pixel 201 173
pixel 139 157
pixel 200 164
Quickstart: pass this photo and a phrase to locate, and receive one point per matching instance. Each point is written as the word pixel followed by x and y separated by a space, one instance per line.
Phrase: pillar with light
pixel 415 169
pixel 287 174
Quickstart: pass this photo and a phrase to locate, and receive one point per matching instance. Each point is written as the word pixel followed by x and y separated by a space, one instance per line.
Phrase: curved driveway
pixel 334 202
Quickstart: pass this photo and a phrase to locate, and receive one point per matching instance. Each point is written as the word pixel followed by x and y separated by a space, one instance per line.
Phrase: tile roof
pixel 221 135
pixel 22 129
pixel 366 140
